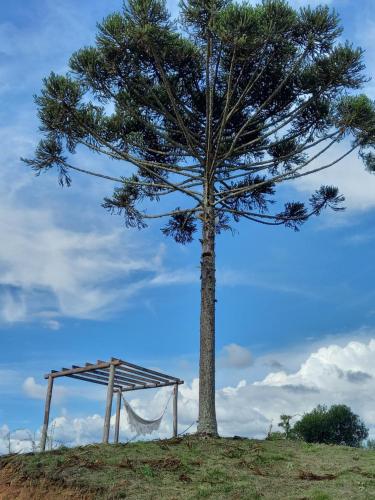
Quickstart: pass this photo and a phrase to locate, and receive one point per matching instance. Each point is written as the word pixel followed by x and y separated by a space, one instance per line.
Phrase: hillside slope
pixel 189 468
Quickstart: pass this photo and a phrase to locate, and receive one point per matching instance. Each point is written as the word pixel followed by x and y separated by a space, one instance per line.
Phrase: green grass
pixel 193 468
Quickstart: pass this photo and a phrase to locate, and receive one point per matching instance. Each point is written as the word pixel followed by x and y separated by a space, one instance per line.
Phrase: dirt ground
pixel 12 488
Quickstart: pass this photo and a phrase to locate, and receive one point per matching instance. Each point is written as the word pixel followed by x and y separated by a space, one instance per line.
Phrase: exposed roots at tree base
pixel 206 435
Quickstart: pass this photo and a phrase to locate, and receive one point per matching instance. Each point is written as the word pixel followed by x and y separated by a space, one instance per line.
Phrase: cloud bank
pixel 330 375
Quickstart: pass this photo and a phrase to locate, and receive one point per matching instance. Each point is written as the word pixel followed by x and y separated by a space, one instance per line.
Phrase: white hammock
pixel 138 424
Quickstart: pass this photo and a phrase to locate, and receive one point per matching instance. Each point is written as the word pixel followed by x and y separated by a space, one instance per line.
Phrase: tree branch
pixel 276 179
pixel 266 164
pixel 264 104
pixel 172 99
pixel 174 212
pixel 143 164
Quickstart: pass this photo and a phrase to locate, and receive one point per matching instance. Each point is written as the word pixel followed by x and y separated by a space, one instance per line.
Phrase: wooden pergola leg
pixel 108 408
pixel 175 399
pixel 118 410
pixel 47 408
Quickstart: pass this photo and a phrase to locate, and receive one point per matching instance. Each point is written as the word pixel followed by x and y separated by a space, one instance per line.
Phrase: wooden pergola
pixel 119 376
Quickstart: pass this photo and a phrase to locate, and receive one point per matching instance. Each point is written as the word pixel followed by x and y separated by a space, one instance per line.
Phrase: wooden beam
pixel 47 408
pixel 118 413
pixel 146 376
pixel 70 371
pixel 103 373
pixel 148 387
pixel 102 376
pixel 129 380
pixel 108 409
pixel 128 369
pixel 152 372
pixel 175 414
pixel 83 377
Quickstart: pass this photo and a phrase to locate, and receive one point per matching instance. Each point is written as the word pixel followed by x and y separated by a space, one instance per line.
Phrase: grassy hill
pixel 190 468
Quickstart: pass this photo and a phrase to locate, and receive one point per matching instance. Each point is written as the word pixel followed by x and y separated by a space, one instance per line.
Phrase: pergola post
pixel 118 376
pixel 118 410
pixel 175 399
pixel 108 409
pixel 47 408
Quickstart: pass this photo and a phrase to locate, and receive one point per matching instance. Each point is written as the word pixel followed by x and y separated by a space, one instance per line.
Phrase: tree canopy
pixel 243 96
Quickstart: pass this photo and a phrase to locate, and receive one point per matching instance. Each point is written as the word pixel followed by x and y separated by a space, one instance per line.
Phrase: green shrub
pixel 336 425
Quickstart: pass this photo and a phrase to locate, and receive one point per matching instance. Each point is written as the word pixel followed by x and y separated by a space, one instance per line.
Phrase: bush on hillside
pixel 336 425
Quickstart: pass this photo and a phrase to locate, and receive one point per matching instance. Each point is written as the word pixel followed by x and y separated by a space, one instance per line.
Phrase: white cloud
pixel 349 175
pixel 65 270
pixel 12 308
pixel 235 356
pixel 19 441
pixel 34 390
pixel 332 368
pixel 58 258
pixel 330 375
pixel 62 393
pixel 52 324
pixel 178 277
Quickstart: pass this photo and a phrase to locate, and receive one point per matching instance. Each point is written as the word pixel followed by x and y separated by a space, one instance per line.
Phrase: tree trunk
pixel 207 413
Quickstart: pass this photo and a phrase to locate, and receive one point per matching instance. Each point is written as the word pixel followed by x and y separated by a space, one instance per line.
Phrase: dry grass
pixel 191 468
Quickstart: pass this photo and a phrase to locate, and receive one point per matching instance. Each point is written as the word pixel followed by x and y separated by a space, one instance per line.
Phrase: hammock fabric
pixel 138 424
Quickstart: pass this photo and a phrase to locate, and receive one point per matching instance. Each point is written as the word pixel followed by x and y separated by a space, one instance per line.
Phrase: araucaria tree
pixel 219 108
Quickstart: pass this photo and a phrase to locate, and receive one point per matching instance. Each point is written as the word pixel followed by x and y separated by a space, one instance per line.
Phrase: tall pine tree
pixel 219 107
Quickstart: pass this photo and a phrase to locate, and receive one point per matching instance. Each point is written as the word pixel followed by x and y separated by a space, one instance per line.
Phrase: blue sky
pixel 76 286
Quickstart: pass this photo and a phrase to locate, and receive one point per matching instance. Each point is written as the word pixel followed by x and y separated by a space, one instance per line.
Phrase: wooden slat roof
pixel 128 377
